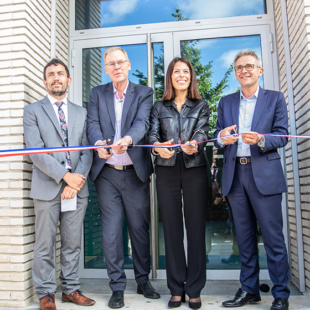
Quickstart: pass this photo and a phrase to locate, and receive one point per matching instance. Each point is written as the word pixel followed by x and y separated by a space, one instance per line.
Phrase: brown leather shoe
pixel 78 298
pixel 48 302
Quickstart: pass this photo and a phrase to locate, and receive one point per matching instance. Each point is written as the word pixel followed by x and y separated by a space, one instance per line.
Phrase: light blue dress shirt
pixel 246 112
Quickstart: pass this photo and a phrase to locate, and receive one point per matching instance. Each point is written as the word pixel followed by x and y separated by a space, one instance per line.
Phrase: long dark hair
pixel 169 93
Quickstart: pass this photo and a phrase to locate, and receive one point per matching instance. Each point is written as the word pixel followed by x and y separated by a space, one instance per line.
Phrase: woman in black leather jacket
pixel 182 117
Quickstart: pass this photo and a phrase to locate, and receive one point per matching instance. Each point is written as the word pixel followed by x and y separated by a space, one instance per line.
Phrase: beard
pixel 59 92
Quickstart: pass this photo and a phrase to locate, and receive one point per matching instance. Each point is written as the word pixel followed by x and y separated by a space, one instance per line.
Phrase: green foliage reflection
pixel 209 92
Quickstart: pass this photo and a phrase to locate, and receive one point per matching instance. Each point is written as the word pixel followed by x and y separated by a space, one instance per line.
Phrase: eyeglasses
pixel 119 63
pixel 248 67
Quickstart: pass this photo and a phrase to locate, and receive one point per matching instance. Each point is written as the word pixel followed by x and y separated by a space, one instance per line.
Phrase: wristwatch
pixel 261 143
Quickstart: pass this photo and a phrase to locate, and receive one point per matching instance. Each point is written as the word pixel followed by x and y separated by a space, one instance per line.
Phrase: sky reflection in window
pixel 115 13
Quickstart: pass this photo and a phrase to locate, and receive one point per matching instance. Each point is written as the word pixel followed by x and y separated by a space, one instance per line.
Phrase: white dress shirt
pixel 246 112
pixel 119 159
pixel 64 107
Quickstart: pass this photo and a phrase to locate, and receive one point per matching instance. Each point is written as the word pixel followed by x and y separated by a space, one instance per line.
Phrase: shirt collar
pixel 53 100
pixel 124 92
pixel 255 96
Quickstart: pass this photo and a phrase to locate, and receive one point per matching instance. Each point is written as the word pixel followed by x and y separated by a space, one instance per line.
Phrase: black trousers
pixel 122 192
pixel 170 182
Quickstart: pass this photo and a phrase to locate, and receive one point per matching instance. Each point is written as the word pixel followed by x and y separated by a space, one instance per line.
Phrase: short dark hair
pixel 55 62
pixel 193 92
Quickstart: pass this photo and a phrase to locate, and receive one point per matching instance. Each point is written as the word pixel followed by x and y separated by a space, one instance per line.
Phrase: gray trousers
pixel 119 192
pixel 47 216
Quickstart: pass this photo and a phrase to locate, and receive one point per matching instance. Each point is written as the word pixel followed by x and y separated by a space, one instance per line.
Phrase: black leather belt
pixel 120 167
pixel 243 160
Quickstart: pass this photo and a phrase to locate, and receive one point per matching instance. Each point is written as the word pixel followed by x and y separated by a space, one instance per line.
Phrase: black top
pixel 192 123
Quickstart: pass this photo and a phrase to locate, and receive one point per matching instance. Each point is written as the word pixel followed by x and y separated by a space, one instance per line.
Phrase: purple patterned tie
pixel 64 128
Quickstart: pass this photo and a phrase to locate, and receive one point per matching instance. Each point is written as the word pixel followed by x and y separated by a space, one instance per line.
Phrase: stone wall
pixel 25 49
pixel 298 23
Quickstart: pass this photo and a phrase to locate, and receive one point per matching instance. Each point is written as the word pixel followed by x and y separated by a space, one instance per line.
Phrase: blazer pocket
pixel 193 115
pixel 273 156
pixel 164 115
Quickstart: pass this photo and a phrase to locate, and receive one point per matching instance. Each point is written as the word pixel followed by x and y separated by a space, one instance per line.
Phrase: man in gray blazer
pixel 56 122
pixel 119 113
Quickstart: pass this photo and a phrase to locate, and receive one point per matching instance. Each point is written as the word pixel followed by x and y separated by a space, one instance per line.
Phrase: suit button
pixel 186 157
pixel 233 159
pixel 63 145
pixel 62 162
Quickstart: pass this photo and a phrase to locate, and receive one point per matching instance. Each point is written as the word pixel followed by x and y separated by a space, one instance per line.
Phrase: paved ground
pixel 214 293
pixel 138 302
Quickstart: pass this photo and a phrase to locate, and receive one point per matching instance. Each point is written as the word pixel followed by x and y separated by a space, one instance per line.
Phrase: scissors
pixel 235 130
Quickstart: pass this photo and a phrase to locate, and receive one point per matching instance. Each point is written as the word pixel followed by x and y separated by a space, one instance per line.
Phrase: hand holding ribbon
pixel 251 137
pixel 102 152
pixel 226 135
pixel 164 152
pixel 189 147
pixel 121 145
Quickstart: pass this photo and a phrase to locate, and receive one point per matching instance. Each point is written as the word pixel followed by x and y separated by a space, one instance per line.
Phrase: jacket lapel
pixel 71 118
pixel 47 106
pixel 235 109
pixel 260 105
pixel 109 99
pixel 127 102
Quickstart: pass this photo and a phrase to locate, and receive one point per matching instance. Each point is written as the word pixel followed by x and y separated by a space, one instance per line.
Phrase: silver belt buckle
pixel 243 161
pixel 119 167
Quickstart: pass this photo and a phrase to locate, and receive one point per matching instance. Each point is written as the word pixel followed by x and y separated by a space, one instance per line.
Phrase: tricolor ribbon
pixel 48 150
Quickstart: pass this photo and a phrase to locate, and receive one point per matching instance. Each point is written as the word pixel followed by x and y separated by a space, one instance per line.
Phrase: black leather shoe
pixel 176 303
pixel 117 300
pixel 147 290
pixel 242 298
pixel 279 304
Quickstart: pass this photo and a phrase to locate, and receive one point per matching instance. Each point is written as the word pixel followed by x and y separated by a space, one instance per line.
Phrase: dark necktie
pixel 64 129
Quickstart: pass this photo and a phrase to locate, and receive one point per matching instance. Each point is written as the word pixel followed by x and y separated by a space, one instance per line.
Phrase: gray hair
pixel 113 49
pixel 248 52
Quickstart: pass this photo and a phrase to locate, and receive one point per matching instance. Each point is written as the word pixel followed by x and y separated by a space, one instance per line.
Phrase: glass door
pixel 211 51
pixel 89 65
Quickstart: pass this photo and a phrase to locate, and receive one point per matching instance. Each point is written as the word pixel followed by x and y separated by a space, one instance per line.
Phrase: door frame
pixel 171 34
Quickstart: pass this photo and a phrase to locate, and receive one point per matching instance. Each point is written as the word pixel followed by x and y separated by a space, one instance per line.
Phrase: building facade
pixel 78 32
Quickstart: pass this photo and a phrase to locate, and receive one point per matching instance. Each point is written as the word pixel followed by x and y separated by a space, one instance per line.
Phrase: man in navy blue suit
pixel 119 113
pixel 253 178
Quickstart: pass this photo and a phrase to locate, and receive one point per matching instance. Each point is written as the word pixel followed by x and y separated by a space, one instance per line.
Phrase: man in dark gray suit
pixel 56 122
pixel 119 113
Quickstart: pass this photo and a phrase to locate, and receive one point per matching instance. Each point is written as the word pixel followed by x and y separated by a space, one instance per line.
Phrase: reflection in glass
pixel 91 14
pixel 158 80
pixel 212 60
pixel 94 75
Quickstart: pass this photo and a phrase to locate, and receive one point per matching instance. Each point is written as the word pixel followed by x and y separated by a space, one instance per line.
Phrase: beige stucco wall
pixel 298 12
pixel 25 49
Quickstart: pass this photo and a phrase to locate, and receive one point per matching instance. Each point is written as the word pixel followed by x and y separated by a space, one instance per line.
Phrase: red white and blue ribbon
pixel 48 150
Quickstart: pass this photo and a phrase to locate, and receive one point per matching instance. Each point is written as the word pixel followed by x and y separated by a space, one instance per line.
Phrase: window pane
pixel 94 75
pixel 212 60
pixel 112 13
